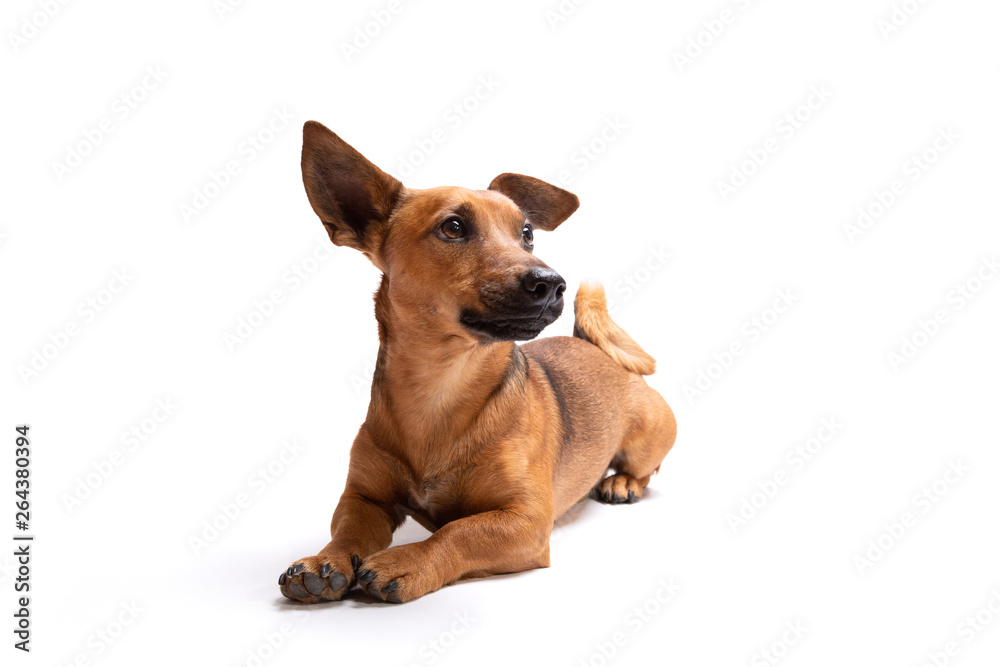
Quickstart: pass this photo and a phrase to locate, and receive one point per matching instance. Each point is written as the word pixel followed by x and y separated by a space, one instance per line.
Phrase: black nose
pixel 543 283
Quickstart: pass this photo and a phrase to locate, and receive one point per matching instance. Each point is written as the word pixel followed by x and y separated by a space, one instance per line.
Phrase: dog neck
pixel 431 386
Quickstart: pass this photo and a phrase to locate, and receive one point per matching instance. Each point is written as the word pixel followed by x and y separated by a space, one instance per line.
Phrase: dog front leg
pixel 360 527
pixel 495 542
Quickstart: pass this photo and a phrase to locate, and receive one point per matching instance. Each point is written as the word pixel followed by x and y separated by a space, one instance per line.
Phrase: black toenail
pixel 631 496
pixel 325 570
pixel 607 496
pixel 390 587
pixel 366 575
pixel 295 569
pixel 355 562
pixel 282 579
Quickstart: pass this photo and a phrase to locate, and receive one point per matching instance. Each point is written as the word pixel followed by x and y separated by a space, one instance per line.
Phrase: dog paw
pixel 398 574
pixel 317 578
pixel 618 489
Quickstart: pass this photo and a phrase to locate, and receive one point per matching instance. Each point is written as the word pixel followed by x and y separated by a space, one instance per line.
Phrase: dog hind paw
pixel 618 489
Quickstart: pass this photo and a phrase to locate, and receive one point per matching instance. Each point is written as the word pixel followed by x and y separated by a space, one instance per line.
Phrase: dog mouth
pixel 523 325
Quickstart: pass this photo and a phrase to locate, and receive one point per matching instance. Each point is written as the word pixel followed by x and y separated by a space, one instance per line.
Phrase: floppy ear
pixel 352 197
pixel 545 206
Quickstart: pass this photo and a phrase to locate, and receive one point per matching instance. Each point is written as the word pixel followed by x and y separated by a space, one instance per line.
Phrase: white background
pixel 302 375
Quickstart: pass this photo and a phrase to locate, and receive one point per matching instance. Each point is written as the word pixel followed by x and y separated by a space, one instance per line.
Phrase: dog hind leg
pixel 645 445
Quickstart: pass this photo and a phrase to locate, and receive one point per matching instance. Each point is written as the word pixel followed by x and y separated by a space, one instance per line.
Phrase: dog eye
pixel 526 235
pixel 453 228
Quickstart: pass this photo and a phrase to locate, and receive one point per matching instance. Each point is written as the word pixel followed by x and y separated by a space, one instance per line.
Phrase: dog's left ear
pixel 544 205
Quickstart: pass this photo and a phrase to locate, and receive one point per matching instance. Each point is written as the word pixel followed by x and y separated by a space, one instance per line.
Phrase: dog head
pixel 456 259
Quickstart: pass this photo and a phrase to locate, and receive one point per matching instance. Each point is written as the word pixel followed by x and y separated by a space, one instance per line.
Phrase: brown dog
pixel 484 442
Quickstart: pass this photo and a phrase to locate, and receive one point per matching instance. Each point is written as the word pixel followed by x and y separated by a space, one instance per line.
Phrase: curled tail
pixel 594 324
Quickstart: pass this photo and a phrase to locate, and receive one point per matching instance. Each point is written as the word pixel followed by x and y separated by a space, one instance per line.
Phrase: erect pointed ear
pixel 352 197
pixel 544 205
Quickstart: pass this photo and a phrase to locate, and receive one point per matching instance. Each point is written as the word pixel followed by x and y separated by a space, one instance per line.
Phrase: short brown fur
pixel 483 441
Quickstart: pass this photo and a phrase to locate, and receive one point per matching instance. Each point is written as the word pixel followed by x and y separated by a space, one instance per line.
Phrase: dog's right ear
pixel 352 197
